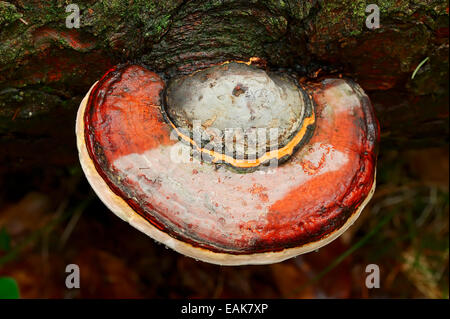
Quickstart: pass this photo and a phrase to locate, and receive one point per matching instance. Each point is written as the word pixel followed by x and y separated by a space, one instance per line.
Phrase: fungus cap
pixel 221 200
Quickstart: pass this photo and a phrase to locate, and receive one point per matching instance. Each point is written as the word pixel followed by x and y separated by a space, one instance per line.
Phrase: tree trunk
pixel 46 68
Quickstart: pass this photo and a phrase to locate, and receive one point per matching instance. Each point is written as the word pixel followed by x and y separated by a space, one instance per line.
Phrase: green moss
pixel 408 7
pixel 8 14
pixel 162 23
pixel 10 51
pixel 339 11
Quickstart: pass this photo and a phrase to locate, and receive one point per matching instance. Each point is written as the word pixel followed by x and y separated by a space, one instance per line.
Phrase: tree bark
pixel 46 68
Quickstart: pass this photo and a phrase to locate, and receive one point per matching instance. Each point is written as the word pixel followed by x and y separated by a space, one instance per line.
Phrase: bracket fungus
pixel 231 164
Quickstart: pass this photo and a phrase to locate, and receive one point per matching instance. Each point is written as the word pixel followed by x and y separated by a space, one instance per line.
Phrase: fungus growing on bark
pixel 232 164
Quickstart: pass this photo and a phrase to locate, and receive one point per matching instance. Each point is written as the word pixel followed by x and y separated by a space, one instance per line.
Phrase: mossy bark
pixel 46 68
